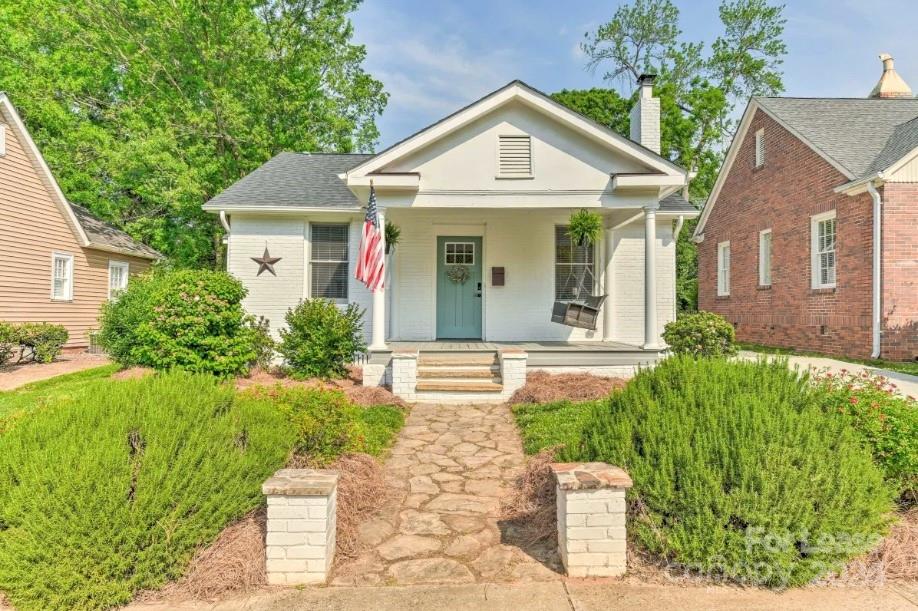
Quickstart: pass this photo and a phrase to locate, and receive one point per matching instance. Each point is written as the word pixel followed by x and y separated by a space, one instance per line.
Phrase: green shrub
pixel 738 472
pixel 187 319
pixel 887 421
pixel 320 339
pixel 262 342
pixel 552 425
pixel 9 342
pixel 327 424
pixel 40 341
pixel 115 493
pixel 700 334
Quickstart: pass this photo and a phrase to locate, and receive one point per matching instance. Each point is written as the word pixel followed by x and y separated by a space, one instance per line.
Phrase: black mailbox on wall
pixel 497 276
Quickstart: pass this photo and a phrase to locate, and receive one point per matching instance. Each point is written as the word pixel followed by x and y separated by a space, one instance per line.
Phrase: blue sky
pixel 436 56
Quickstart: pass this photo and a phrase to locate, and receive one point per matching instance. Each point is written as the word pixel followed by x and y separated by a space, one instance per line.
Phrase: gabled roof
pixel 89 231
pixel 294 180
pixel 517 91
pixel 103 236
pixel 857 136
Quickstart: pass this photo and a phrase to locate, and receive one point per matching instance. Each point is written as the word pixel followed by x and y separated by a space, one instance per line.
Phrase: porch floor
pixel 459 345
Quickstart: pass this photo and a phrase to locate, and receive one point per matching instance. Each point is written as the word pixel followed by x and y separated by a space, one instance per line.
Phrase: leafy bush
pixel 552 425
pixel 114 493
pixel 187 319
pixel 738 471
pixel 700 334
pixel 327 424
pixel 262 342
pixel 9 342
pixel 887 421
pixel 40 341
pixel 320 339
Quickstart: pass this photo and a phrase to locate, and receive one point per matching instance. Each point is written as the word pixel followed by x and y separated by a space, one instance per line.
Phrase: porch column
pixel 651 340
pixel 608 312
pixel 378 336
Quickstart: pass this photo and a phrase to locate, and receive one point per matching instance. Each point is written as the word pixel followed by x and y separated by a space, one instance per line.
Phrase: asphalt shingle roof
pixel 294 179
pixel 862 135
pixel 676 203
pixel 101 233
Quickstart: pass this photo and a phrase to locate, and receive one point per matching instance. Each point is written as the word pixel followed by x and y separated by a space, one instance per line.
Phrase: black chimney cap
pixel 647 79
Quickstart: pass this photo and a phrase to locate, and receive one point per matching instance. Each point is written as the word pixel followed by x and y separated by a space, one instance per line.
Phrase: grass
pixel 549 425
pixel 909 367
pixel 64 388
pixel 109 487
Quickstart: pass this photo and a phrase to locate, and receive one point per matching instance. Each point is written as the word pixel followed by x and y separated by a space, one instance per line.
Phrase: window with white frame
pixel 328 264
pixel 118 272
pixel 61 276
pixel 765 257
pixel 760 148
pixel 574 267
pixel 723 269
pixel 823 244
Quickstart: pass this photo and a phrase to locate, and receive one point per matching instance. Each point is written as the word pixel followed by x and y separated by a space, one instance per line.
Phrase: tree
pixel 699 88
pixel 145 109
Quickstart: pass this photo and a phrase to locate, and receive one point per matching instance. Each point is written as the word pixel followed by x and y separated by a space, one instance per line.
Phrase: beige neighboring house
pixel 59 262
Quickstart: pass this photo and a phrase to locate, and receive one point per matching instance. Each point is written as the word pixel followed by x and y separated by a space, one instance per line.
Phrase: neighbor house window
pixel 514 157
pixel 62 276
pixel 118 272
pixel 760 148
pixel 765 257
pixel 822 229
pixel 328 261
pixel 723 269
pixel 574 267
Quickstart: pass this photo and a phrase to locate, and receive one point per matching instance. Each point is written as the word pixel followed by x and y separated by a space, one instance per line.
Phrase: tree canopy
pixel 700 88
pixel 145 109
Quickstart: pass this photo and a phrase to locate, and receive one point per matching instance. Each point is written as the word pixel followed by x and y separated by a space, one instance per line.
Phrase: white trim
pixel 638 181
pixel 2 140
pixel 125 266
pixel 44 171
pixel 815 264
pixel 723 269
pixel 732 152
pixel 347 253
pixel 68 292
pixel 515 91
pixel 278 209
pixel 763 281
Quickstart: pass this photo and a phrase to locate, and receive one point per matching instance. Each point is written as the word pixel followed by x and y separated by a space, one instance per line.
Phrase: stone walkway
pixel 449 471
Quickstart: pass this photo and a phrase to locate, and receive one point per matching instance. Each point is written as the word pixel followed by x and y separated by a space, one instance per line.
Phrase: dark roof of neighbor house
pixel 103 235
pixel 295 180
pixel 862 135
pixel 676 203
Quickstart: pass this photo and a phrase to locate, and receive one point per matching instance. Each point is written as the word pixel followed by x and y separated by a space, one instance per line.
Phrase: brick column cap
pixel 589 476
pixel 513 353
pixel 301 482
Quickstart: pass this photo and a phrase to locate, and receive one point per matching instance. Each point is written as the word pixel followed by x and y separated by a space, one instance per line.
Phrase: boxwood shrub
pixel 738 471
pixel 320 339
pixel 701 334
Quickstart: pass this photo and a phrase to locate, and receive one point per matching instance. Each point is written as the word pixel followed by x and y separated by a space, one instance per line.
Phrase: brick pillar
pixel 513 369
pixel 405 375
pixel 300 544
pixel 374 374
pixel 591 518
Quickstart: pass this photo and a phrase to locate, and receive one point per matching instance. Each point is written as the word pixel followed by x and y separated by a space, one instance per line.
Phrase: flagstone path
pixel 449 471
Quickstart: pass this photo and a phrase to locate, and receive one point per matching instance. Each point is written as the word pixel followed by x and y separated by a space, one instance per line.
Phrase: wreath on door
pixel 458 274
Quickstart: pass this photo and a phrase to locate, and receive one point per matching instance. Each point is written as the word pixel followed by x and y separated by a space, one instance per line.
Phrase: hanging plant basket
pixel 458 274
pixel 393 235
pixel 584 228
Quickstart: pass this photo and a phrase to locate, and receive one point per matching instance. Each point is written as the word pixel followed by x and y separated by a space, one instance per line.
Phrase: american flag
pixel 371 260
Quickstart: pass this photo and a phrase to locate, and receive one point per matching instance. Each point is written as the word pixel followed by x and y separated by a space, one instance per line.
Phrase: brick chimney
pixel 891 84
pixel 645 115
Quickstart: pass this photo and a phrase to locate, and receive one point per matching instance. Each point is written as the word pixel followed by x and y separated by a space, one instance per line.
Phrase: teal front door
pixel 458 287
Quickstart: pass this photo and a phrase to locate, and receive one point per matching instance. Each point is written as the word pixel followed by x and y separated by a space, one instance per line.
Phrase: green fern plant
pixel 393 235
pixel 584 227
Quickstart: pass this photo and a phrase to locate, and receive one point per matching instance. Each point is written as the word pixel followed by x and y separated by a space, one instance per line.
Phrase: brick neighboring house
pixel 786 240
pixel 59 262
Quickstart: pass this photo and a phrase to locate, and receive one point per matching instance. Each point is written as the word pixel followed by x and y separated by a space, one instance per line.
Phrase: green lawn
pixel 909 367
pixel 552 425
pixel 61 388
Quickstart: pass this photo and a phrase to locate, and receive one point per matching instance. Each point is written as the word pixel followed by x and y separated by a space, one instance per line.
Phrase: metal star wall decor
pixel 266 262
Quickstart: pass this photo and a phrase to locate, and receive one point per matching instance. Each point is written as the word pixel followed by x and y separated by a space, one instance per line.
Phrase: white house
pixel 482 199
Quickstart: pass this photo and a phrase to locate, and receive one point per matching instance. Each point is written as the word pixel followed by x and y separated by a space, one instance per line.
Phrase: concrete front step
pixel 458 371
pixel 458 386
pixel 459 359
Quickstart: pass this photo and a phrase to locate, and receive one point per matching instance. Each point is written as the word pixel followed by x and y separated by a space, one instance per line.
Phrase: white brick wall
pixel 405 375
pixel 591 531
pixel 513 371
pixel 300 539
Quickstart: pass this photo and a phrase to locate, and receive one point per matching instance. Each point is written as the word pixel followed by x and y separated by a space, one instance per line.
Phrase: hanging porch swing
pixel 582 311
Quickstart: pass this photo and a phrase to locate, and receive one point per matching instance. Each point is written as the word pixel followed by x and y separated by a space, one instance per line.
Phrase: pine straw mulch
pixel 351 386
pixel 133 373
pixel 234 563
pixel 542 387
pixel 534 512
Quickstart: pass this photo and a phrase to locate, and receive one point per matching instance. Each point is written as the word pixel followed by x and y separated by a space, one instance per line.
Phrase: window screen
pixel 571 263
pixel 329 261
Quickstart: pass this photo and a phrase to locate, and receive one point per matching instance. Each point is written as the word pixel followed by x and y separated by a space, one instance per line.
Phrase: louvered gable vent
pixel 515 157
